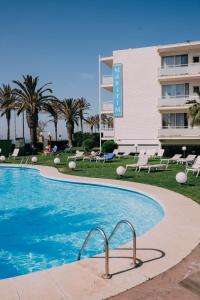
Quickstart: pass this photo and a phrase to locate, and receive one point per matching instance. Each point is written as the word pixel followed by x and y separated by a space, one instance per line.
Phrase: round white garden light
pixel 93 153
pixel 184 148
pixel 72 165
pixel 34 159
pixel 56 160
pixel 2 158
pixel 120 171
pixel 181 177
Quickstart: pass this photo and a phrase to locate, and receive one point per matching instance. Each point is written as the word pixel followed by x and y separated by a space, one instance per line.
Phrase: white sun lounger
pixel 90 157
pixel 160 153
pixel 151 153
pixel 155 167
pixel 175 158
pixel 189 159
pixel 142 161
pixel 120 154
pixel 15 153
pixel 195 168
pixel 78 155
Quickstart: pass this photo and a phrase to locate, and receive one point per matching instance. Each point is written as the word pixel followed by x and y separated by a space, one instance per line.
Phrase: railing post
pixel 133 235
pixel 107 275
pixel 106 245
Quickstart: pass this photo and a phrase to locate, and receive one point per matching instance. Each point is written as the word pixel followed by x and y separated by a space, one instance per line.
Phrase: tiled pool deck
pixel 158 250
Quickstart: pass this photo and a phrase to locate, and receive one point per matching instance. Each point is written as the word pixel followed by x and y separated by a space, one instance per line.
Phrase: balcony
pixel 107 107
pixel 108 133
pixel 107 82
pixel 179 71
pixel 179 133
pixel 177 101
pixel 107 61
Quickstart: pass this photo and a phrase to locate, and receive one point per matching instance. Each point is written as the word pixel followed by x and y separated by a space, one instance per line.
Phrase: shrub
pixel 88 144
pixel 6 147
pixel 109 146
pixel 79 137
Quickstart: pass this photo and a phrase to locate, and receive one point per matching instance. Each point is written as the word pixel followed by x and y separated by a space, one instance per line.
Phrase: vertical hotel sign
pixel 117 90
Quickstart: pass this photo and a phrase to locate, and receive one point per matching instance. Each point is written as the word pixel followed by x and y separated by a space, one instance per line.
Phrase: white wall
pixel 141 89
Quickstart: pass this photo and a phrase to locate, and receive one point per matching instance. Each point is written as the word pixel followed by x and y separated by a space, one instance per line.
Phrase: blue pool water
pixel 44 222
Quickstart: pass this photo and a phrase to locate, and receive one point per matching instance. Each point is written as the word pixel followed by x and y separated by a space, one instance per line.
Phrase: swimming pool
pixel 44 222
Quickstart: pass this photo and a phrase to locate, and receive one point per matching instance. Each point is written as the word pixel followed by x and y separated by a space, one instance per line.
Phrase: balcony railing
pixel 177 100
pixel 107 80
pixel 107 107
pixel 107 132
pixel 175 70
pixel 179 132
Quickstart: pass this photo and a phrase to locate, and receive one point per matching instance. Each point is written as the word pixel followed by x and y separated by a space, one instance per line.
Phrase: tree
pixel 70 110
pixel 41 126
pixel 53 109
pixel 194 113
pixel 97 125
pixel 32 99
pixel 91 122
pixel 84 107
pixel 110 121
pixel 107 121
pixel 7 100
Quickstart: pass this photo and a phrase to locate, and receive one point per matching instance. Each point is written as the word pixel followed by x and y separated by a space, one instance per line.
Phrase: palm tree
pixel 107 120
pixel 91 122
pixel 53 109
pixel 32 99
pixel 7 100
pixel 110 121
pixel 194 112
pixel 70 111
pixel 104 119
pixel 97 125
pixel 85 105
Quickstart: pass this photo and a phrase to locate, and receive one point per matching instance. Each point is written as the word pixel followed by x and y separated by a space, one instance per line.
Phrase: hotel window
pixel 175 60
pixel 174 120
pixel 195 59
pixel 175 90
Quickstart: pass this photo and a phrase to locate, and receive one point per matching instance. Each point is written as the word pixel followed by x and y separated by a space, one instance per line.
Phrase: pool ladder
pixel 107 275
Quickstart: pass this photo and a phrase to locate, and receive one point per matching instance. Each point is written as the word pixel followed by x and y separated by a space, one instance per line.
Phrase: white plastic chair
pixel 160 153
pixel 189 159
pixel 174 158
pixel 15 153
pixel 142 161
pixel 78 155
pixel 195 167
pixel 151 153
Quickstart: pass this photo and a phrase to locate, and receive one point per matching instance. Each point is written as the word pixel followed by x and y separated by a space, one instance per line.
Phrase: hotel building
pixel 151 90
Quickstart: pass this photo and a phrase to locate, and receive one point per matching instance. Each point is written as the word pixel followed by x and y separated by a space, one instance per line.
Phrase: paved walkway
pixel 167 286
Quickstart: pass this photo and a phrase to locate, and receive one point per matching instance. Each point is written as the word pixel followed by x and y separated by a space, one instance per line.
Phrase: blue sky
pixel 60 40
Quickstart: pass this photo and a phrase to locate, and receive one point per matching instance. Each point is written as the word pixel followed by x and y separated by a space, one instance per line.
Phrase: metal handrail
pixel 106 246
pixel 133 233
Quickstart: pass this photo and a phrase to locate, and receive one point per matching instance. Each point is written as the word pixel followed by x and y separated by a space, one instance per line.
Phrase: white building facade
pixel 157 85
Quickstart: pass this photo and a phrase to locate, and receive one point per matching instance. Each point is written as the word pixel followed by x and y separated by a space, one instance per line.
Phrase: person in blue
pixel 55 149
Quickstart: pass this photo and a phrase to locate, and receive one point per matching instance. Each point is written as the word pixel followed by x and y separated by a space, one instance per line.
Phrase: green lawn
pixel 164 179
